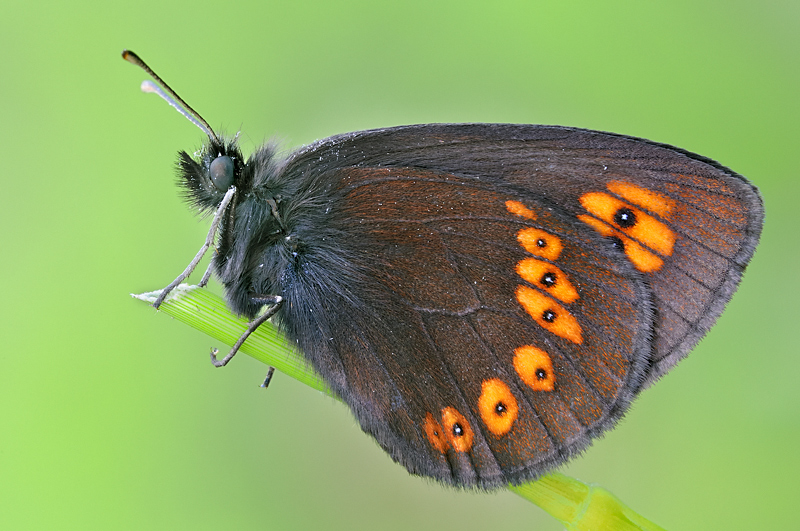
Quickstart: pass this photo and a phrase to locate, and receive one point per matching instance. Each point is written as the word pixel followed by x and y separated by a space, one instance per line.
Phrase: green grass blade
pixel 201 309
pixel 582 507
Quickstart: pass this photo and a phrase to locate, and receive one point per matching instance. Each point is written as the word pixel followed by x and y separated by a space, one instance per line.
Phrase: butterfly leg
pixel 268 378
pixel 276 301
pixel 207 275
pixel 209 240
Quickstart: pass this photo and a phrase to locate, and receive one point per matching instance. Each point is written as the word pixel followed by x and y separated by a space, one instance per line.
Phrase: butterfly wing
pixel 713 215
pixel 488 298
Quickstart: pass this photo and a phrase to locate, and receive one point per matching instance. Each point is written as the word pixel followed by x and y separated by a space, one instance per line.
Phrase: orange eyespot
pixel 518 209
pixel 549 314
pixel 643 260
pixel 646 199
pixel 435 433
pixel 535 368
pixel 497 406
pixel 540 243
pixel 547 277
pixel 631 221
pixel 457 429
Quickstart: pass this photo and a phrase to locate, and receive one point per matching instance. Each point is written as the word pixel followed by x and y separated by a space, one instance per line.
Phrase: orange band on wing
pixel 549 314
pixel 639 226
pixel 643 260
pixel 646 199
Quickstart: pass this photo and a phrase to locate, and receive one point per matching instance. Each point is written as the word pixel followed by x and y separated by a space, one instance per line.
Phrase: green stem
pixel 575 504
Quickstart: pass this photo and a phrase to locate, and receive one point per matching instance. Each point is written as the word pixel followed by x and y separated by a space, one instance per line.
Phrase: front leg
pixel 275 301
pixel 212 232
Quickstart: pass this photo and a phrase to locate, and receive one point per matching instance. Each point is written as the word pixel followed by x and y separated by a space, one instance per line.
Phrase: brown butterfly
pixel 487 298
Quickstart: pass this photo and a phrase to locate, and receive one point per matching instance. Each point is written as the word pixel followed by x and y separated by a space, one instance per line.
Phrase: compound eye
pixel 221 172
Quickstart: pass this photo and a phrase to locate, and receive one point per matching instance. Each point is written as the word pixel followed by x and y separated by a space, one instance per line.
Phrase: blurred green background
pixel 113 417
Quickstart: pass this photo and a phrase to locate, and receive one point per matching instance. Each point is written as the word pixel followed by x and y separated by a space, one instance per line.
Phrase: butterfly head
pixel 217 167
pixel 207 176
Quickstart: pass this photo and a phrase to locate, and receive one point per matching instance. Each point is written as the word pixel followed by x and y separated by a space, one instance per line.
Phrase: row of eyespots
pixel 497 405
pixel 632 228
pixel 547 277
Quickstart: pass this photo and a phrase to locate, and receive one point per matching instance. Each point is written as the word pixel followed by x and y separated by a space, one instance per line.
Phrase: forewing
pixel 703 220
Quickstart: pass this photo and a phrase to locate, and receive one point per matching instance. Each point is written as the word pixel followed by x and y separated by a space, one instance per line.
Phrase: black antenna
pixel 169 95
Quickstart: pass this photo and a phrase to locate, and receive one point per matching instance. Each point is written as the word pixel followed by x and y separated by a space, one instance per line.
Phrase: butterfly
pixel 486 298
